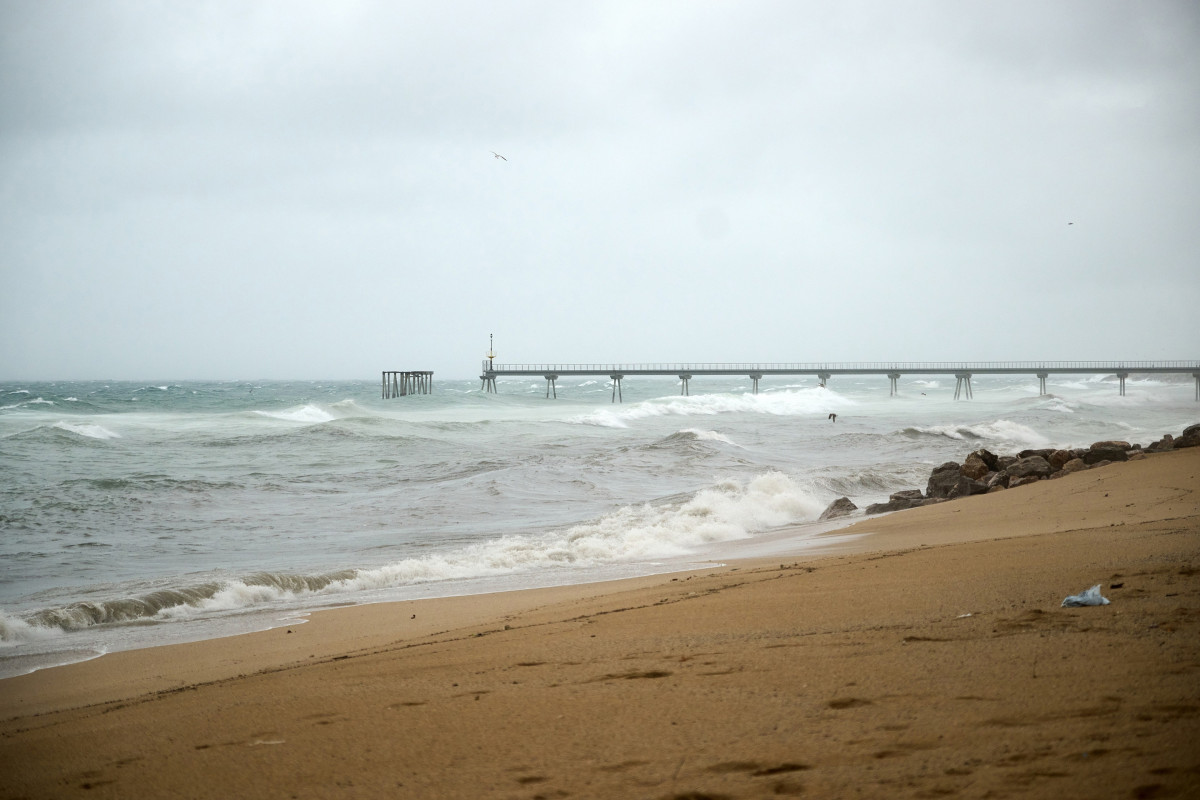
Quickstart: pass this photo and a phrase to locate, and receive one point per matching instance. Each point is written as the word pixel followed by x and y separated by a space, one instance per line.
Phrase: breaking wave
pixel 802 402
pixel 724 512
pixel 999 433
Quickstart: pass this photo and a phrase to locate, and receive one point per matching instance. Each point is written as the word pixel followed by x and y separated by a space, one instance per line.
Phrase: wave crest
pixel 1004 433
pixel 729 510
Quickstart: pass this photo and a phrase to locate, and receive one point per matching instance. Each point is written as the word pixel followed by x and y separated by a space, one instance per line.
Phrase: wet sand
pixel 928 659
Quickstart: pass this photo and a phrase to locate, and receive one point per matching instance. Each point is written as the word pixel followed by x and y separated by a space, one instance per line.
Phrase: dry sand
pixel 933 662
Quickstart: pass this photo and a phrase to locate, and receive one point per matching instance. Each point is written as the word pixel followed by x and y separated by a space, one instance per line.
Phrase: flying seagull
pixel 497 155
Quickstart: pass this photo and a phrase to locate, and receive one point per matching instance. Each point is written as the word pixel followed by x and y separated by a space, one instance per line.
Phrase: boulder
pixel 975 467
pixel 1162 445
pixel 944 478
pixel 1190 437
pixel 989 458
pixel 898 501
pixel 967 487
pixel 1058 458
pixel 995 479
pixel 1107 451
pixel 1031 466
pixel 890 505
pixel 838 508
pixel 1074 465
pixel 1004 462
pixel 1015 482
pixel 1043 452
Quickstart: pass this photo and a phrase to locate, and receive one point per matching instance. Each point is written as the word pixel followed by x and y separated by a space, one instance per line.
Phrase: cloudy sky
pixel 307 189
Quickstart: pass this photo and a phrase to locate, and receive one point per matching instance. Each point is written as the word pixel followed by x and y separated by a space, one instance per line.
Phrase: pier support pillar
pixel 1121 376
pixel 400 384
pixel 616 379
pixel 551 386
pixel 1042 383
pixel 683 387
pixel 893 382
pixel 755 377
pixel 962 380
pixel 489 383
pixel 823 376
pixel 1196 376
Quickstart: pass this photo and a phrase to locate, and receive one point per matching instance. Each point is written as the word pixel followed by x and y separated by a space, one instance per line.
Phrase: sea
pixel 134 514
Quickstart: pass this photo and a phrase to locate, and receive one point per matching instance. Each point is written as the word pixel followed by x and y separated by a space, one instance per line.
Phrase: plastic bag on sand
pixel 1091 597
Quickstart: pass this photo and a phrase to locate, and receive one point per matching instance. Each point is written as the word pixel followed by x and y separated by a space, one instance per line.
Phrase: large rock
pixel 967 487
pixel 1107 451
pixel 975 467
pixel 1190 437
pixel 841 507
pixel 1058 458
pixel 1043 452
pixel 1162 445
pixel 909 498
pixel 997 479
pixel 1031 466
pixel 989 458
pixel 1074 465
pixel 890 505
pixel 1015 482
pixel 944 478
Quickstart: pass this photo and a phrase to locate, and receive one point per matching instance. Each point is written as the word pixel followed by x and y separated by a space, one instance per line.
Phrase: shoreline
pixel 930 656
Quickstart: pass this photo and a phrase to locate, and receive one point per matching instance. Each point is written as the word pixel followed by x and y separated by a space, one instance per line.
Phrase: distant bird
pixel 1070 223
pixel 497 155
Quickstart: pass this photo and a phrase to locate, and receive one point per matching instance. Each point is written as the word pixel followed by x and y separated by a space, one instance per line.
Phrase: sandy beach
pixel 930 658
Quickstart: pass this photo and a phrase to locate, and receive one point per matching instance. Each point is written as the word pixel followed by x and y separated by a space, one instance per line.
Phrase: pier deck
pixel 824 371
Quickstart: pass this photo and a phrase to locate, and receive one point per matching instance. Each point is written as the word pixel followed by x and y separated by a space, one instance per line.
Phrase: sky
pixel 236 190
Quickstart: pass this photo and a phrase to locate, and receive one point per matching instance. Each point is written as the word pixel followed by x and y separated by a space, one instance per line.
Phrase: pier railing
pixel 813 367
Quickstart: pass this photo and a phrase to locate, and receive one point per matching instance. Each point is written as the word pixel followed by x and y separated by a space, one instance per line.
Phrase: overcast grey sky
pixel 301 189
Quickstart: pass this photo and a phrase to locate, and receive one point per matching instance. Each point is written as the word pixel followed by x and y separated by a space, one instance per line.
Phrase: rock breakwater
pixel 983 471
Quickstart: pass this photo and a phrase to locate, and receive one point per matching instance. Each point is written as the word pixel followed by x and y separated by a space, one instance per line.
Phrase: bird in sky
pixel 497 155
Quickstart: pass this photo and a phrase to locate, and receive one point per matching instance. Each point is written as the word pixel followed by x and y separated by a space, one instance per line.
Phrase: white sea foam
pixel 803 402
pixel 15 631
pixel 730 510
pixel 709 436
pixel 1052 403
pixel 998 433
pixel 90 430
pixel 309 414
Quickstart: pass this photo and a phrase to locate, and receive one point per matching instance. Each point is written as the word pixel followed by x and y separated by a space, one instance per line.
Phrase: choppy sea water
pixel 137 514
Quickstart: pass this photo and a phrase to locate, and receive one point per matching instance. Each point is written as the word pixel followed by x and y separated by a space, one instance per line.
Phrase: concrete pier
pixel 826 371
